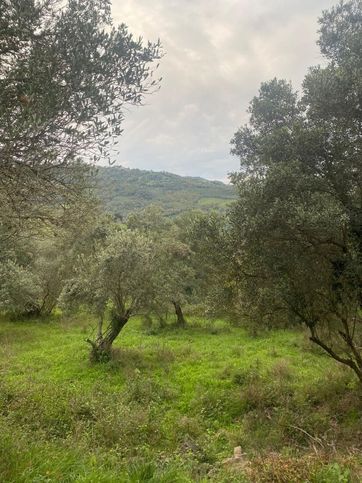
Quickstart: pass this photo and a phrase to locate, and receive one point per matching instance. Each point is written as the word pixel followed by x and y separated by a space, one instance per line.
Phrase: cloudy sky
pixel 217 54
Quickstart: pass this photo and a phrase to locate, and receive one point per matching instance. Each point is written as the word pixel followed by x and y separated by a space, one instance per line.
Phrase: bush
pixel 332 474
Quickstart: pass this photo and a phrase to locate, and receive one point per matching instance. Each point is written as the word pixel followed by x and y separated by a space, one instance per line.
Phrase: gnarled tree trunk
pixel 180 319
pixel 102 346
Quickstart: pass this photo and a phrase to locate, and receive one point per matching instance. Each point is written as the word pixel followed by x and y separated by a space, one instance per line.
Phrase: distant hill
pixel 123 190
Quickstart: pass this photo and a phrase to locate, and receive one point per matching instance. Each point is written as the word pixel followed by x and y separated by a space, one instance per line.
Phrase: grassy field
pixel 172 405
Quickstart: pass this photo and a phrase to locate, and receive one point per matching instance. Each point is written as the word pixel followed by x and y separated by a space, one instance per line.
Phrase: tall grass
pixel 171 405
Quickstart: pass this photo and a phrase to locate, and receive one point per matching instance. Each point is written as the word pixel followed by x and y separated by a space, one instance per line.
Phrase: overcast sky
pixel 217 54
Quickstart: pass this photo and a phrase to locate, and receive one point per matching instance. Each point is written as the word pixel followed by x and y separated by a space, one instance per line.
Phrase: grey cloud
pixel 217 54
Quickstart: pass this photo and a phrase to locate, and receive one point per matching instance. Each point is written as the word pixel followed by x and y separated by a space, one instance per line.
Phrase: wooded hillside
pixel 124 190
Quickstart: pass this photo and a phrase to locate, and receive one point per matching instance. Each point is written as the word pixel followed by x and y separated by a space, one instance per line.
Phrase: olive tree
pixel 35 268
pixel 117 282
pixel 66 74
pixel 297 232
pixel 176 274
pixel 32 278
pixel 207 236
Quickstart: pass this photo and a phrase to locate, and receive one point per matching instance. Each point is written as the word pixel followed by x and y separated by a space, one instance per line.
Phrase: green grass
pixel 172 405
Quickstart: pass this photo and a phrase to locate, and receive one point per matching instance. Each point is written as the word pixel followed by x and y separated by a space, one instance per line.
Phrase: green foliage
pixel 124 271
pixel 175 271
pixel 33 274
pixel 118 280
pixel 20 289
pixel 35 268
pixel 207 235
pixel 296 233
pixel 66 74
pixel 125 190
pixel 332 474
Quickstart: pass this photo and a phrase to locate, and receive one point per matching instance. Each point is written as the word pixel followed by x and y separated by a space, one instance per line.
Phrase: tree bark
pixel 180 319
pixel 102 346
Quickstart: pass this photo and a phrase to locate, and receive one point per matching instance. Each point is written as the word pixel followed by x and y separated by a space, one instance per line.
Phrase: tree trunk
pixel 180 319
pixel 102 346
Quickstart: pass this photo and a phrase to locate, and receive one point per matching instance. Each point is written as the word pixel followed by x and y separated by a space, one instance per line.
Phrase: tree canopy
pixel 66 74
pixel 297 225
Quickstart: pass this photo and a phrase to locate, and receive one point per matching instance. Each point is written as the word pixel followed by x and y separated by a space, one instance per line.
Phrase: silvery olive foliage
pixel 176 274
pixel 36 266
pixel 33 274
pixel 66 74
pixel 118 279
